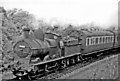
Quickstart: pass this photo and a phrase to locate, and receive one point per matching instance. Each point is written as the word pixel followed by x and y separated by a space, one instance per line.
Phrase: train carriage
pixel 96 40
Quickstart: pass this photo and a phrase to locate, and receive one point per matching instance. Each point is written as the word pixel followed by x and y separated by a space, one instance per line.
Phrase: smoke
pixel 35 24
pixel 56 21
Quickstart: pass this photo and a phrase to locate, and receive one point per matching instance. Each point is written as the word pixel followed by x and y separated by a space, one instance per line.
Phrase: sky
pixel 100 12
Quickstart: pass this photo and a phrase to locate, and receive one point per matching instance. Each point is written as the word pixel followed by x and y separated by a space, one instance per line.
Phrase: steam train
pixel 43 52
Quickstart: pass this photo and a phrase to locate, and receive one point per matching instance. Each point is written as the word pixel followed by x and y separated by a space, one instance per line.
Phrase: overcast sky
pixel 103 12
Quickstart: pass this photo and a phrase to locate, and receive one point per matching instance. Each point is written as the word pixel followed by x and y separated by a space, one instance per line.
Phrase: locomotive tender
pixel 49 50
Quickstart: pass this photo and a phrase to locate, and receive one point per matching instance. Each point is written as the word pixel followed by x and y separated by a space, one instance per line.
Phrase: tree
pixel 20 18
pixel 14 20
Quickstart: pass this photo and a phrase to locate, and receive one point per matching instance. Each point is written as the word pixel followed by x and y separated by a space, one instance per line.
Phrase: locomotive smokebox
pixel 26 32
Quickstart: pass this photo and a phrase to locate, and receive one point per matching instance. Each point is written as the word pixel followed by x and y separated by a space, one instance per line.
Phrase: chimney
pixel 26 32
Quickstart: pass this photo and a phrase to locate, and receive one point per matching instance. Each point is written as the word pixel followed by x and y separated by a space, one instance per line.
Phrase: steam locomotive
pixel 45 51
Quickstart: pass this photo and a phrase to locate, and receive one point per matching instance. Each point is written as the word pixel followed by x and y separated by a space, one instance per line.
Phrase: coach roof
pixel 97 33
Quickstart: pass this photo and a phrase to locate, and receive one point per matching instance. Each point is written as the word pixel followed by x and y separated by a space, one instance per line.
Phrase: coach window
pixel 116 39
pixel 100 40
pixel 96 40
pixel 103 39
pixel 93 40
pixel 112 39
pixel 106 39
pixel 87 41
pixel 90 41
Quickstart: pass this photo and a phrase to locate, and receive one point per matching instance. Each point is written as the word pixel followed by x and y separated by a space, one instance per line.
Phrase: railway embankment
pixel 106 68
